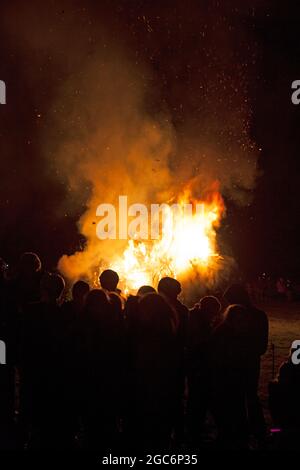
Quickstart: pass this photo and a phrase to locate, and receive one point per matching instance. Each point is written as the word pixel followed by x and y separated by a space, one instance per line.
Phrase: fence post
pixel 273 360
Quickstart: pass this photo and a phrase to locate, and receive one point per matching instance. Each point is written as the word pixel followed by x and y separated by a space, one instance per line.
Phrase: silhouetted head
pixel 210 307
pixel 79 290
pixel 131 309
pixel 169 287
pixel 155 314
pixel 145 290
pixel 96 302
pixel 237 318
pixel 116 303
pixel 237 294
pixel 52 287
pixel 109 280
pixel 30 264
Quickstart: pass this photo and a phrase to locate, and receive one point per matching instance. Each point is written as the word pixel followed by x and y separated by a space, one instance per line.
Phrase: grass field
pixel 284 318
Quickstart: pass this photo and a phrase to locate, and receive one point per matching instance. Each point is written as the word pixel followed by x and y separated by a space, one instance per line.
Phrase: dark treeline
pixel 145 373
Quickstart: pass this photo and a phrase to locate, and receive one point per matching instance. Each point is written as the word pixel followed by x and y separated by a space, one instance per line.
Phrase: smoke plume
pixel 141 102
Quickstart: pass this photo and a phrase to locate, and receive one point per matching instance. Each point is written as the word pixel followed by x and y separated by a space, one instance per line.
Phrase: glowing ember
pixel 187 242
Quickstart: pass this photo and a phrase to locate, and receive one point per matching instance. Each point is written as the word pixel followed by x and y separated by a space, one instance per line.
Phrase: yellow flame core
pixel 187 242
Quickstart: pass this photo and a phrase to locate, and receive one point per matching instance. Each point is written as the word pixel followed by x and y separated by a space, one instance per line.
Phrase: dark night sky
pixel 164 35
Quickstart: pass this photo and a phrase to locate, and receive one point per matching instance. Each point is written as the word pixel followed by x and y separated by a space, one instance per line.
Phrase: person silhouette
pixel 72 316
pixel 42 366
pixel 79 292
pixel 202 321
pixel 230 351
pixel 102 371
pixel 73 308
pixel 284 395
pixel 258 334
pixel 109 280
pixel 145 290
pixel 153 385
pixel 170 289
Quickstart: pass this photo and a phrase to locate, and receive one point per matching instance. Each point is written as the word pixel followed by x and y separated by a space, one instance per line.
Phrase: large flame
pixel 187 244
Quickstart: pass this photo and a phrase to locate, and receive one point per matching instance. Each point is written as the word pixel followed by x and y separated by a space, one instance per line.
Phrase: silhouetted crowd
pixel 143 373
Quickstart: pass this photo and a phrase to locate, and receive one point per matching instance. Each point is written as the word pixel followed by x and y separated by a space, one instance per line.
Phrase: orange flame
pixel 187 243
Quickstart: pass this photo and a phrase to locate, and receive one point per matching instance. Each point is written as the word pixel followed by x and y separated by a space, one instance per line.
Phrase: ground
pixel 284 320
